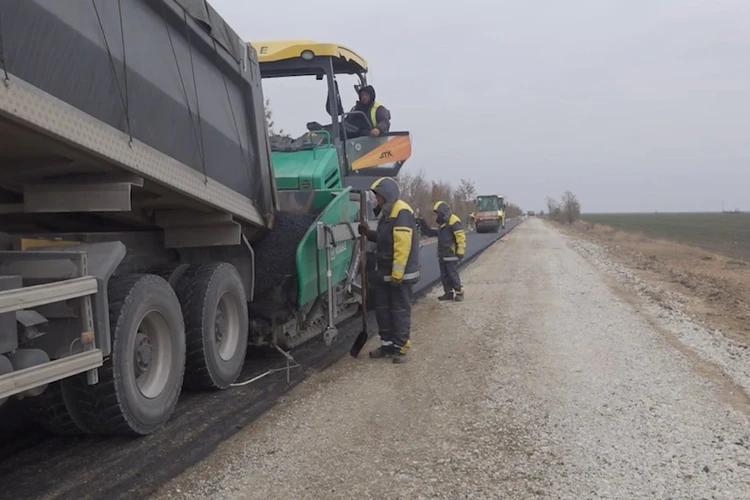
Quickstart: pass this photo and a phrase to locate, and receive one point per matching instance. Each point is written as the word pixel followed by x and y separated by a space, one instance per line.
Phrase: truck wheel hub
pixel 144 353
pixel 220 326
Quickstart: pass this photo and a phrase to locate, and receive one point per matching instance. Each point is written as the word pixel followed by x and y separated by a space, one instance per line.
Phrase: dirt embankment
pixel 713 288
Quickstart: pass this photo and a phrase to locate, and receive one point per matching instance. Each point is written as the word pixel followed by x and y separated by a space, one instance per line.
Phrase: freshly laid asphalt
pixel 36 465
pixel 475 243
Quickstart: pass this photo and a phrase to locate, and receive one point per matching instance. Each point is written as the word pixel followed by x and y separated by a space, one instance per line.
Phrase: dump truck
pixel 490 213
pixel 151 231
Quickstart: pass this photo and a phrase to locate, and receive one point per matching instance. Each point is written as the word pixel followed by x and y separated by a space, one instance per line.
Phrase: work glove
pixel 363 229
pixel 395 283
pixel 460 257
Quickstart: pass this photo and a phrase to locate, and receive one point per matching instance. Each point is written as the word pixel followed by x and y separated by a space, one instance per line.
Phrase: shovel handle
pixel 363 256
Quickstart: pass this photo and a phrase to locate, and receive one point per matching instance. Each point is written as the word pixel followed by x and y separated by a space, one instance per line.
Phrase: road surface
pixel 34 465
pixel 545 383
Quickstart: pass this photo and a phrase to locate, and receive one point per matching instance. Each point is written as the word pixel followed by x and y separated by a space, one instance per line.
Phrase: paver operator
pixel 396 271
pixel 378 117
pixel 451 246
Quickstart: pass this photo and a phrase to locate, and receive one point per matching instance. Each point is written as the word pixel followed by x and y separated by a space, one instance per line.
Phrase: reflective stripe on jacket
pixel 374 114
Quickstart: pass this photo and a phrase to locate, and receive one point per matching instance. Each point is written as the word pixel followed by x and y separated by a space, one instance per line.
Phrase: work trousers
pixel 449 275
pixel 393 312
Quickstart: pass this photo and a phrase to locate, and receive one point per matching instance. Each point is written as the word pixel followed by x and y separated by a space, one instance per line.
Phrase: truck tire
pixel 170 272
pixel 214 306
pixel 51 412
pixel 141 380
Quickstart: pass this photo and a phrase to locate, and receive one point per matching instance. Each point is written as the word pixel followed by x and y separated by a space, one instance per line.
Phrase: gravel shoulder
pixel 711 287
pixel 545 383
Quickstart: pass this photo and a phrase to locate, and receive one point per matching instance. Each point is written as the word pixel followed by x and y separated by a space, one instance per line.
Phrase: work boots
pixel 458 295
pixel 384 351
pixel 398 357
pixel 399 353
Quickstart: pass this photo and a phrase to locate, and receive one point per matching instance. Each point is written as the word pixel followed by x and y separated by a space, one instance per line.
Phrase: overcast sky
pixel 634 105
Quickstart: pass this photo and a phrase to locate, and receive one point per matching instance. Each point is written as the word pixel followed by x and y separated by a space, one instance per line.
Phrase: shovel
pixel 361 340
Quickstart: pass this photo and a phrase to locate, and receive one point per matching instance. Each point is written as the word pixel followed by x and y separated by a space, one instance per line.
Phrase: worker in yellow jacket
pixel 451 247
pixel 396 271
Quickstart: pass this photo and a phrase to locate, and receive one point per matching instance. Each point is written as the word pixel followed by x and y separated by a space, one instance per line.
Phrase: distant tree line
pixel 422 194
pixel 512 210
pixel 566 210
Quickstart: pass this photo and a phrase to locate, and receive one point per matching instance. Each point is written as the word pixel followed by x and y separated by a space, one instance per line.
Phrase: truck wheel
pixel 51 412
pixel 214 306
pixel 141 380
pixel 170 272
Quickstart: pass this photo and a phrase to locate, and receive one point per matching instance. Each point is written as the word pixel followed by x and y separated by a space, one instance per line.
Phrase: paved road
pixel 34 465
pixel 475 243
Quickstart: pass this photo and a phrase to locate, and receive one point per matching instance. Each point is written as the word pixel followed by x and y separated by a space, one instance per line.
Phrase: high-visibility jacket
pixel 451 236
pixel 397 254
pixel 397 249
pixel 374 114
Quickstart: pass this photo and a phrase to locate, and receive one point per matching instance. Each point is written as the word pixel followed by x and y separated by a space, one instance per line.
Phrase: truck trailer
pixel 150 230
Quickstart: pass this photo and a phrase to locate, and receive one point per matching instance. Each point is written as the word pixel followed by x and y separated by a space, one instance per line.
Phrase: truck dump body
pixel 169 74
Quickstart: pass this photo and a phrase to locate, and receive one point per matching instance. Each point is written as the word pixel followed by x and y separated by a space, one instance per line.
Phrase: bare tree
pixel 416 190
pixel 464 199
pixel 571 207
pixel 269 122
pixel 553 208
pixel 512 210
pixel 422 194
pixel 565 211
pixel 269 117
